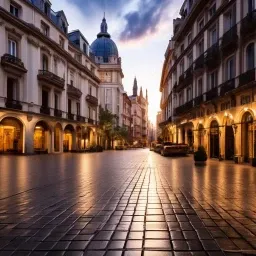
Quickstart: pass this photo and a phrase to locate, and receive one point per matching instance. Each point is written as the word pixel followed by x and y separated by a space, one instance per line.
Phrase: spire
pixel 141 93
pixel 135 87
pixel 103 28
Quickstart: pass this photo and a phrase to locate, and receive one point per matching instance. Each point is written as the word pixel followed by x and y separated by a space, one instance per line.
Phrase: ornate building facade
pixel 209 77
pixel 139 116
pixel 49 84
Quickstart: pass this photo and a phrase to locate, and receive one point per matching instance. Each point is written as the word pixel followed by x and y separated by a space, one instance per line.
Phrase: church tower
pixel 135 87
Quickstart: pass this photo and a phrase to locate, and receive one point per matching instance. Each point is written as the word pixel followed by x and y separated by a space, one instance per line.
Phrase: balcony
pixel 13 104
pixel 212 94
pixel 45 110
pixel 57 113
pixel 212 58
pixel 80 118
pixel 13 64
pixel 92 100
pixel 180 85
pixel 227 87
pixel 70 116
pixel 73 91
pixel 198 100
pixel 199 63
pixel 229 41
pixel 50 78
pixel 248 24
pixel 247 77
pixel 184 108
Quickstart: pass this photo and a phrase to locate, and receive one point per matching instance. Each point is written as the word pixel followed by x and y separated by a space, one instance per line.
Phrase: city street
pixel 132 202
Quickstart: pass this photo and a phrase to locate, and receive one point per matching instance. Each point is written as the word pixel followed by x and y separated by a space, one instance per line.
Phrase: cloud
pixel 144 20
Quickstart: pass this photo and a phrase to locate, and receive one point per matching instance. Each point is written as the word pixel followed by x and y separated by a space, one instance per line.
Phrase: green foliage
pixel 106 119
pixel 200 154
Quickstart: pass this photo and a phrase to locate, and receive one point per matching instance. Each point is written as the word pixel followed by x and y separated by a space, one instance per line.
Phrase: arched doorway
pixel 247 137
pixel 201 135
pixel 68 138
pixel 11 135
pixel 79 137
pixel 57 137
pixel 229 141
pixel 214 140
pixel 41 137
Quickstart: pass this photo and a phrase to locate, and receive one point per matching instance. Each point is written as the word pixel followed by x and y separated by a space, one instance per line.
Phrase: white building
pixel 48 83
pixel 110 71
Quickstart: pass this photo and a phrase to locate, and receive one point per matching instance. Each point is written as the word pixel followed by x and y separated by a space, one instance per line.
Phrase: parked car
pixel 169 148
pixel 158 148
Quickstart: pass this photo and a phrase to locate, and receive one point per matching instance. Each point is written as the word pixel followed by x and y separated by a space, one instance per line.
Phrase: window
pixel 61 42
pixel 14 10
pixel 55 63
pixel 12 47
pixel 11 88
pixel 78 109
pixel 200 25
pixel 182 48
pixel 181 98
pixel 45 62
pixel 64 27
pixel 230 68
pixel 213 80
pixel 250 56
pixel 45 98
pixel 189 38
pixel 45 29
pixel 245 99
pixel 199 87
pixel 251 6
pixel 71 78
pixel 56 101
pixel 212 10
pixel 225 105
pixel 213 36
pixel 182 68
pixel 190 59
pixel 200 47
pixel 189 94
pixel 229 19
pixel 85 48
pixel 69 106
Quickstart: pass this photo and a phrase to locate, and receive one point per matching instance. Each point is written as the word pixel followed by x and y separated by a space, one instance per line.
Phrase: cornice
pixel 35 32
pixel 33 41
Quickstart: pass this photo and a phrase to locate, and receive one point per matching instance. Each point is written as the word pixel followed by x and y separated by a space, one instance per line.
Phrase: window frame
pixel 11 49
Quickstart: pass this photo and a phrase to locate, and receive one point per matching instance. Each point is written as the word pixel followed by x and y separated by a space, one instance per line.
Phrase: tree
pixel 106 122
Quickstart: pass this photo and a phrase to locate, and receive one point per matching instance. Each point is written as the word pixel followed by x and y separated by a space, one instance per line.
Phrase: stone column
pixel 29 136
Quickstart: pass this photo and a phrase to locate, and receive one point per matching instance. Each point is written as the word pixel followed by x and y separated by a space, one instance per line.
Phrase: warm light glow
pixel 226 114
pixel 38 127
pixel 245 109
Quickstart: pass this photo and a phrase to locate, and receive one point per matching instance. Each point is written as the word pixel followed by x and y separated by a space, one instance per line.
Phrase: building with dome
pixel 105 54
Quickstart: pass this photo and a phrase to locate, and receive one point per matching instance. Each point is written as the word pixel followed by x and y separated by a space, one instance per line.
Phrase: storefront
pixel 68 138
pixel 11 135
pixel 214 140
pixel 41 137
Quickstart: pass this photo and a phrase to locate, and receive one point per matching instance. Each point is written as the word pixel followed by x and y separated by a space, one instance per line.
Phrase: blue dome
pixel 104 46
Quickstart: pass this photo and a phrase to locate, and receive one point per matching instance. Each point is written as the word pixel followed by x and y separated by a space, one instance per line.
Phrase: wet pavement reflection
pixel 125 203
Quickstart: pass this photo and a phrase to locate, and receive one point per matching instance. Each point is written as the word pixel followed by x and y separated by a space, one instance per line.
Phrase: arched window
pixel 250 56
pixel 45 62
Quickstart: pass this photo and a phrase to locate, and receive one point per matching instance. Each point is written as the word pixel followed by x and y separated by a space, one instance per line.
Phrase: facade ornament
pixel 32 41
pixel 44 48
pixel 14 32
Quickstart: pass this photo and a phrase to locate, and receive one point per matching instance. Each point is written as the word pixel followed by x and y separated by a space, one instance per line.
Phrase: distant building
pixel 139 116
pixel 127 115
pixel 159 119
pixel 208 79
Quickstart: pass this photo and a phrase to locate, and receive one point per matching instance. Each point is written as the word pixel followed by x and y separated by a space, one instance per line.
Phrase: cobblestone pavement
pixel 125 203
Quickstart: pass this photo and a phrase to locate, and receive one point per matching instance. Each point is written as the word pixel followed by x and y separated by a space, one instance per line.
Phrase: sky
pixel 141 30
